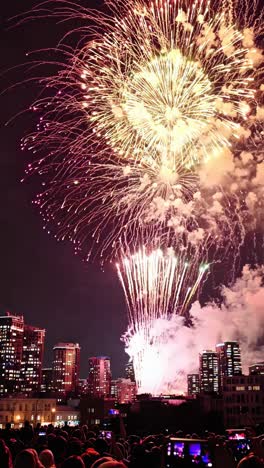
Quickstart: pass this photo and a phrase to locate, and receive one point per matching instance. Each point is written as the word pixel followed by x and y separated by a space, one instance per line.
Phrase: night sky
pixel 39 277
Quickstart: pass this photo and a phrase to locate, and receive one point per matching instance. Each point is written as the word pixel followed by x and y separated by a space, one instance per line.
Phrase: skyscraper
pixel 32 358
pixel 46 381
pixel 11 347
pixel 99 378
pixel 129 371
pixel 123 390
pixel 193 382
pixel 229 360
pixel 65 368
pixel 209 372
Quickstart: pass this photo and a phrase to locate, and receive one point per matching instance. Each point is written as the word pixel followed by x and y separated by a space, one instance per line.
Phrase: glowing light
pixel 175 84
pixel 157 287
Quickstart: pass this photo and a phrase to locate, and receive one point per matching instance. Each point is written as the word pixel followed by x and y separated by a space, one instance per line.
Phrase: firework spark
pixel 167 81
pixel 153 95
pixel 157 286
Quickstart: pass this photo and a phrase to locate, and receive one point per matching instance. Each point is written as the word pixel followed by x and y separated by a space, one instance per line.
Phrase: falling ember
pixel 157 286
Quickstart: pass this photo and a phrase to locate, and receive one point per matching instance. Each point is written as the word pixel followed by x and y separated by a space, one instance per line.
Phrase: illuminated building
pixel 123 390
pixel 209 372
pixel 67 414
pixel 44 411
pixel 18 410
pixel 65 368
pixel 82 387
pixel 46 380
pixel 257 369
pixel 129 371
pixel 114 389
pixel 229 358
pixel 99 378
pixel 11 347
pixel 193 383
pixel 32 358
pixel 243 398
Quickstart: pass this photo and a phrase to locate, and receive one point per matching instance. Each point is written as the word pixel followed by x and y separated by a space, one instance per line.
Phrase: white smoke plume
pixel 239 317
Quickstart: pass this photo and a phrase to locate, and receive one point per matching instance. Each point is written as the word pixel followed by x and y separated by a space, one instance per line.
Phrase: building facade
pixel 229 358
pixel 32 359
pixel 95 411
pixel 123 390
pixel 99 378
pixel 11 349
pixel 243 400
pixel 129 371
pixel 46 381
pixel 193 384
pixel 209 372
pixel 65 369
pixel 18 410
pixel 257 369
pixel 82 387
pixel 66 414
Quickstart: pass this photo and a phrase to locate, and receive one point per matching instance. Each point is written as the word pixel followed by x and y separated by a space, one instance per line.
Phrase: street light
pixel 53 410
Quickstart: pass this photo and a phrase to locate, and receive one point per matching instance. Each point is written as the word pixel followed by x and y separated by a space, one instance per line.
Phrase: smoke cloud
pixel 239 317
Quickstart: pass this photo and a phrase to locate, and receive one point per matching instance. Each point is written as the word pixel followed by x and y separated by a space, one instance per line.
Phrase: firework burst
pixel 168 81
pixel 157 287
pixel 139 119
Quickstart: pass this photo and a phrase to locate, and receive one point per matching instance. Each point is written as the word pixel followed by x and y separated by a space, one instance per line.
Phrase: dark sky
pixel 40 278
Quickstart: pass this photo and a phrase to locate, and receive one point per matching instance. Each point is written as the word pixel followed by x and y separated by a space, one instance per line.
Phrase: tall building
pixel 11 348
pixel 209 372
pixel 193 384
pixel 46 381
pixel 257 369
pixel 123 390
pixel 129 371
pixel 82 387
pixel 229 358
pixel 99 378
pixel 66 368
pixel 32 359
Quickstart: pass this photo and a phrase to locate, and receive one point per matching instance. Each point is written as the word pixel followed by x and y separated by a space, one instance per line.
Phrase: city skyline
pixel 23 372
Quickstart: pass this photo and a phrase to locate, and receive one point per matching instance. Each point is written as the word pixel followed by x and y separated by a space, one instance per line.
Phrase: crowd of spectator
pixel 79 447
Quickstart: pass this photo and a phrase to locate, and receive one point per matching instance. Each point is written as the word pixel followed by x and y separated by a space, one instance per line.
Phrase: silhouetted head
pixel 27 458
pixel 250 462
pixel 5 456
pixel 73 462
pixel 47 459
